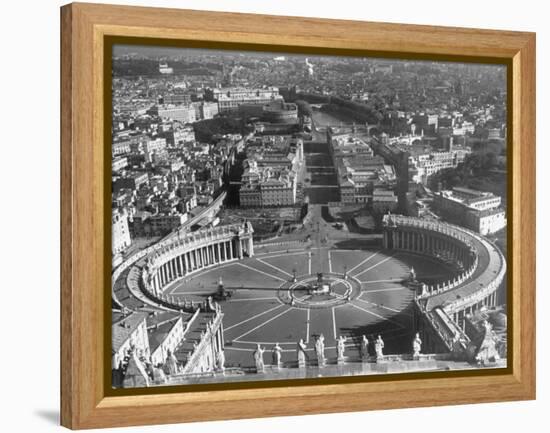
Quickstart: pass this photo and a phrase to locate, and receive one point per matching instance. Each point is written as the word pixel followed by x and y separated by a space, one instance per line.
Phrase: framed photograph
pixel 266 216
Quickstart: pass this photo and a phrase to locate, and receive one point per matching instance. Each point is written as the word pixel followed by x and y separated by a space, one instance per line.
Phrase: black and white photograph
pixel 285 216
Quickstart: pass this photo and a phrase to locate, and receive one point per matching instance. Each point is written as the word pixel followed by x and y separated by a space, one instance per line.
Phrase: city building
pixel 165 69
pixel 270 177
pixel 424 161
pixel 278 112
pixel 179 135
pixel 230 98
pixel 180 113
pixel 152 145
pixel 175 99
pixel 144 224
pixel 359 173
pixel 118 163
pixel 120 232
pixel 121 147
pixel 477 210
pixel 427 123
pixel 486 221
pixel 267 186
pixel 277 151
pixel 130 180
pixel 384 201
pixel 348 144
pixel 205 110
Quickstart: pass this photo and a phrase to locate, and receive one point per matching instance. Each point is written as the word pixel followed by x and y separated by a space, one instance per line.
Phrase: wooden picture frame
pixel 85 401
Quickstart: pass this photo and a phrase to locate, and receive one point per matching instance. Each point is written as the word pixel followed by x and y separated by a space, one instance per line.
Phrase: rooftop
pixel 124 327
pixel 158 333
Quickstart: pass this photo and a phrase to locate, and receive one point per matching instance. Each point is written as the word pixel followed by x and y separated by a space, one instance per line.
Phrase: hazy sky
pixel 167 52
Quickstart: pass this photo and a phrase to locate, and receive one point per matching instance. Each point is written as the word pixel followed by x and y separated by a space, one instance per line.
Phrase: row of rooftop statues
pixel 137 367
pixel 319 349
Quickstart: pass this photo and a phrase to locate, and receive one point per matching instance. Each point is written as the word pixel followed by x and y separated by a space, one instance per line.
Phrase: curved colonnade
pixel 184 255
pixel 143 278
pixel 480 270
pixel 434 240
pixel 151 270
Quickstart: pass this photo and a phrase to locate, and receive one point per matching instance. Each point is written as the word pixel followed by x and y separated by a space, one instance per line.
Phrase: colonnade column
pixel 181 266
pixel 156 283
pixel 173 269
pixel 239 245
pixel 218 246
pixel 164 275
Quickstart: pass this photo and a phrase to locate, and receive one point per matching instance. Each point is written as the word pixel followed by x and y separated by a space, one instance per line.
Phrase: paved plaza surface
pixel 260 312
